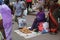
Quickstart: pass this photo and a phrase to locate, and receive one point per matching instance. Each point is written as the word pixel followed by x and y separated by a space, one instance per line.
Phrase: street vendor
pixel 40 17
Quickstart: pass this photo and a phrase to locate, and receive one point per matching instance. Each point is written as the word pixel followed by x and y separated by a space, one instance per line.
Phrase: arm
pixel 23 7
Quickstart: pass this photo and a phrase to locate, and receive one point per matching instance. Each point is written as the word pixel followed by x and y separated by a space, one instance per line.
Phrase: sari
pixel 7 20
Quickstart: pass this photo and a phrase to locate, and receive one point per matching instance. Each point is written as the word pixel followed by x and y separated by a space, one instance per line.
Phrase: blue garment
pixel 18 6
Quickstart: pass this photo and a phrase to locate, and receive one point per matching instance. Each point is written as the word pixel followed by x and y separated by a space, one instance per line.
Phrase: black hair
pixel 40 8
pixel 6 2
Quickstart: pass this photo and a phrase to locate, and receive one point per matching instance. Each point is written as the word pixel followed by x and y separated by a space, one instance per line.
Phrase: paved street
pixel 30 19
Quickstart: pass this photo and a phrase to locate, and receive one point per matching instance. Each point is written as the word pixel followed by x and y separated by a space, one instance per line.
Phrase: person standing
pixel 53 16
pixel 29 3
pixel 2 31
pixel 19 8
pixel 7 20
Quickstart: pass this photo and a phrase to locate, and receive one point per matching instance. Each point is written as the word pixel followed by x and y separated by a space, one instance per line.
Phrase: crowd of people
pixel 48 11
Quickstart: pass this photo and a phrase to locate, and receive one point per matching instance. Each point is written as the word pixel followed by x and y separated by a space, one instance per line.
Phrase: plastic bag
pixel 43 27
pixel 21 22
pixel 30 10
pixel 25 12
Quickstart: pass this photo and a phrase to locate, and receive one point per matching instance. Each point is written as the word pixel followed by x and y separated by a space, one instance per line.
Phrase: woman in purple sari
pixel 40 17
pixel 7 20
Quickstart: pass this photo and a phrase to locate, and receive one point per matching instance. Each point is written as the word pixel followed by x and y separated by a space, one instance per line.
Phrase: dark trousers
pixel 35 24
pixel 16 20
pixel 29 4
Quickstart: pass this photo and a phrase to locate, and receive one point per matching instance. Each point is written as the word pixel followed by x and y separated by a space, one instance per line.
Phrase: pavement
pixel 30 19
